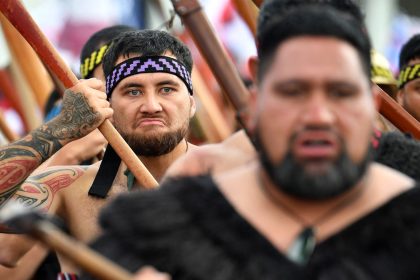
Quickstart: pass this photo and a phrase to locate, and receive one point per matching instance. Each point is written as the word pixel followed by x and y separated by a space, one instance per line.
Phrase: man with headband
pixel 409 78
pixel 312 205
pixel 149 88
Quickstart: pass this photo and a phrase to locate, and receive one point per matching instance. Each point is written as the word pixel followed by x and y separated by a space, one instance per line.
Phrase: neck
pixel 158 165
pixel 309 210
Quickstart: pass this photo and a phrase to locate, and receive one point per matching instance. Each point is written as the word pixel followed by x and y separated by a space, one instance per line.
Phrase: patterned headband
pixel 147 64
pixel 92 61
pixel 408 74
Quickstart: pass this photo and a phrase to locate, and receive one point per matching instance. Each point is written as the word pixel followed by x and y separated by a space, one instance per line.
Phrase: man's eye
pixel 342 93
pixel 291 92
pixel 134 92
pixel 167 90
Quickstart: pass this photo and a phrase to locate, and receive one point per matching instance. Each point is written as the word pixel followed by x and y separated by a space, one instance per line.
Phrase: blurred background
pixel 69 23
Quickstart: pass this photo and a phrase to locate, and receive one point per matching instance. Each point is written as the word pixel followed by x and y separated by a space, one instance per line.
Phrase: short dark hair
pixel 272 9
pixel 100 38
pixel 312 20
pixel 410 51
pixel 146 43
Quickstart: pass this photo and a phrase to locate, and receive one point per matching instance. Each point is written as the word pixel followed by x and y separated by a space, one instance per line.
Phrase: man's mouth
pixel 318 145
pixel 145 122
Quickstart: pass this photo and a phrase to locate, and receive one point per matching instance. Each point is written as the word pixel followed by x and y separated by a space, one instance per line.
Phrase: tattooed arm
pixel 42 191
pixel 84 108
pixel 39 191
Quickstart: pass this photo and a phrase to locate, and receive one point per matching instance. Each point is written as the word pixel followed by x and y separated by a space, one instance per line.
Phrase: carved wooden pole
pixel 7 131
pixel 29 63
pixel 212 50
pixel 214 125
pixel 258 2
pixel 249 13
pixel 39 226
pixel 31 110
pixel 12 95
pixel 399 117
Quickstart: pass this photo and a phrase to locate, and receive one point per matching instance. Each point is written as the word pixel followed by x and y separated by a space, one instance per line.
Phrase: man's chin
pixel 148 135
pixel 317 167
pixel 150 129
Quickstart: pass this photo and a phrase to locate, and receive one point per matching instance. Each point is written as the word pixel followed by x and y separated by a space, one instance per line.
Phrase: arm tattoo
pixel 39 190
pixel 19 159
pixel 77 118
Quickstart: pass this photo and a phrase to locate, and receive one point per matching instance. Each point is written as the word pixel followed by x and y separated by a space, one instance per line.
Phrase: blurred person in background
pixel 384 79
pixel 409 78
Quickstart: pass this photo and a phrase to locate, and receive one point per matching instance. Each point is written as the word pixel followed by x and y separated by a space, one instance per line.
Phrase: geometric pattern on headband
pixel 92 61
pixel 408 74
pixel 147 64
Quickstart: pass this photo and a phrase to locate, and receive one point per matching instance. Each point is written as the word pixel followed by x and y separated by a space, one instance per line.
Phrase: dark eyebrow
pixel 342 84
pixel 297 82
pixel 168 82
pixel 131 85
pixel 293 82
pixel 139 85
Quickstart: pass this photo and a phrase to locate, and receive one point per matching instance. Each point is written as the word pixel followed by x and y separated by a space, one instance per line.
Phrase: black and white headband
pixel 147 64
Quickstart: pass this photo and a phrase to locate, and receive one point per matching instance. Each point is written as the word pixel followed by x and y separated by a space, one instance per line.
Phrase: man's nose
pixel 318 111
pixel 150 104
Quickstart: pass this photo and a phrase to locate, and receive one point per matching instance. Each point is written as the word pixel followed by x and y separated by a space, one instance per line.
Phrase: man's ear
pixel 111 119
pixel 253 63
pixel 193 107
pixel 252 109
pixel 400 96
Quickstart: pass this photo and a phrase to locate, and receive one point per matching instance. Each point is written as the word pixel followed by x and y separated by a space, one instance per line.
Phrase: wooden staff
pixel 29 63
pixel 8 133
pixel 31 109
pixel 92 262
pixel 249 13
pixel 211 49
pixel 40 227
pixel 23 22
pixel 12 95
pixel 399 117
pixel 214 125
pixel 258 2
pixel 214 115
pixel 6 85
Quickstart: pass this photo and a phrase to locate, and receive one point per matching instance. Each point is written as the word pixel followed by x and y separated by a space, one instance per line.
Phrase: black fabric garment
pixel 400 152
pixel 48 269
pixel 188 229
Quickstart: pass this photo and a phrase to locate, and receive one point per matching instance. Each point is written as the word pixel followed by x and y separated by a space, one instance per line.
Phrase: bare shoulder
pixel 214 158
pixel 389 182
pixel 239 141
pixel 196 161
pixel 43 190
